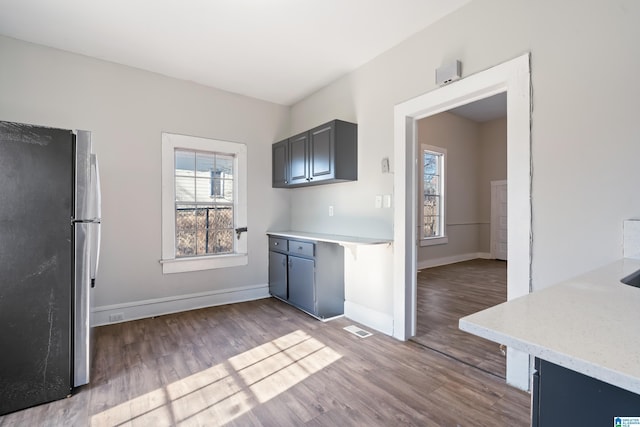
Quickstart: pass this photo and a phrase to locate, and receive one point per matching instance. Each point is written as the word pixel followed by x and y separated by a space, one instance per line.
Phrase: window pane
pixel 185 189
pixel 431 163
pixel 431 205
pixel 221 242
pixel 204 163
pixel 185 218
pixel 431 184
pixel 185 163
pixel 203 189
pixel 185 243
pixel 223 218
pixel 431 226
pixel 223 190
pixel 224 166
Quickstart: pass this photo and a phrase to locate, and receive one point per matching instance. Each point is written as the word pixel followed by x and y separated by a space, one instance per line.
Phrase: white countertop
pixel 590 324
pixel 330 238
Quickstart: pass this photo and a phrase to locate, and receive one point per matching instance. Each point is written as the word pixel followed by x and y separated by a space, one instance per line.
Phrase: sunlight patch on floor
pixel 228 390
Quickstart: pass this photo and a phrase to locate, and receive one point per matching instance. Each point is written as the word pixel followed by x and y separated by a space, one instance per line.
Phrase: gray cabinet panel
pixel 302 283
pixel 321 143
pixel 278 274
pixel 298 149
pixel 277 244
pixel 280 171
pixel 562 397
pixel 301 248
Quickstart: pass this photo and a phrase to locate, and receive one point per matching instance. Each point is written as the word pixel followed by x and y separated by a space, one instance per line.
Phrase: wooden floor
pixel 447 293
pixel 263 363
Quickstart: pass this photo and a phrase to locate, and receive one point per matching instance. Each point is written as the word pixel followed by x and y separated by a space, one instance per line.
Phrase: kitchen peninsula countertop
pixel 330 238
pixel 589 324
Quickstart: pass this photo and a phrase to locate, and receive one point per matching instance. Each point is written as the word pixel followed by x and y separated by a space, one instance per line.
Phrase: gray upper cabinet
pixel 322 155
pixel 298 160
pixel 280 171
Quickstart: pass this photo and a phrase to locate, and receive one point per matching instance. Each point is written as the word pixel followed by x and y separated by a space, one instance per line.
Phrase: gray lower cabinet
pixel 308 275
pixel 302 280
pixel 278 274
pixel 563 397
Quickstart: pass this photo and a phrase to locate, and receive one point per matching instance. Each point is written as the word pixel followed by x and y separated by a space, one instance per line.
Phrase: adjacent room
pixel 286 213
pixel 463 235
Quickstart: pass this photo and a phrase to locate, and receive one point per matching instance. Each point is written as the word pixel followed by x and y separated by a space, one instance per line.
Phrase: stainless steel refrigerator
pixel 49 249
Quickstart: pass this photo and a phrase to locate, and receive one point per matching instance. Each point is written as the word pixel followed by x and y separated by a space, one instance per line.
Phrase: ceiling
pixel 276 50
pixel 483 110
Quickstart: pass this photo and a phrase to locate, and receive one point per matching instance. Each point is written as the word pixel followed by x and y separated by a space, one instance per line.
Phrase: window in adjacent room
pixel 204 201
pixel 432 184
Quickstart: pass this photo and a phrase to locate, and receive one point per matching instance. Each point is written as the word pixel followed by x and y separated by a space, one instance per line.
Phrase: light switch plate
pixel 387 200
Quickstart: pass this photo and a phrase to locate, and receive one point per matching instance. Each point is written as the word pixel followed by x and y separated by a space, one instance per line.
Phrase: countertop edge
pixel 330 238
pixel 498 324
pixel 593 370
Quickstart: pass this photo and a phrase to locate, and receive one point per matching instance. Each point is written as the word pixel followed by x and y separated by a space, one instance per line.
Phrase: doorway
pixel 458 273
pixel 512 77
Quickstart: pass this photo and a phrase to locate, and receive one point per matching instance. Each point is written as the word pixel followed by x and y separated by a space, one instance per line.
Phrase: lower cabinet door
pixel 302 283
pixel 568 398
pixel 278 274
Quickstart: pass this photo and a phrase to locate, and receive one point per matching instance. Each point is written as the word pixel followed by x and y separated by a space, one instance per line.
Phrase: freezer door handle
pixel 96 211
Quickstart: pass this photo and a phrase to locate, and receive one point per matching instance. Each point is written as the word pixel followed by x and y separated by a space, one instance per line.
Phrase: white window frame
pixel 171 264
pixel 443 238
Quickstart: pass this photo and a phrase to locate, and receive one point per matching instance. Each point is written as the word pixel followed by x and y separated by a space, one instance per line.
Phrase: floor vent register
pixel 357 331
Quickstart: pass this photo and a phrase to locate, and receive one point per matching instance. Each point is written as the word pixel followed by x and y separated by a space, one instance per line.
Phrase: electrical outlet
pixel 116 317
pixel 330 210
pixel 378 201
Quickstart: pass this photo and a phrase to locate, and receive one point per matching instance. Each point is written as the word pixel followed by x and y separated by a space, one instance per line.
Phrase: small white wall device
pixel 448 73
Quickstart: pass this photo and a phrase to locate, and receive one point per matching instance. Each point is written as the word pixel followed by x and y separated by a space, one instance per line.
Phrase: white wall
pixel 585 128
pixel 493 167
pixel 127 109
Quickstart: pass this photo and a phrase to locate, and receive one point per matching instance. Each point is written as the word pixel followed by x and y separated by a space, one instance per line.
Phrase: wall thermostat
pixel 385 165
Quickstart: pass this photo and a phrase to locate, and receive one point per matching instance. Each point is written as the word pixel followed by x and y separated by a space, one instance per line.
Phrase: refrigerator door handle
pixel 96 211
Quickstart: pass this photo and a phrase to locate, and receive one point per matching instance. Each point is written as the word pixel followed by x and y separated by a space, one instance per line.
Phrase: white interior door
pixel 499 234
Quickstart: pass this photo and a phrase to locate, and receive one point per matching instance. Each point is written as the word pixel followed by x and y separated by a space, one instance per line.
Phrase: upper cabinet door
pixel 322 152
pixel 280 171
pixel 298 154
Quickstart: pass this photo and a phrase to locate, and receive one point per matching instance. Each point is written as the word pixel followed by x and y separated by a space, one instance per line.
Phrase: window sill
pixel 183 265
pixel 434 241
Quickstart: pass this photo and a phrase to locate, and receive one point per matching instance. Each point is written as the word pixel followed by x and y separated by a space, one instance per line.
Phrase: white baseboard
pixel 437 262
pixel 160 306
pixel 374 319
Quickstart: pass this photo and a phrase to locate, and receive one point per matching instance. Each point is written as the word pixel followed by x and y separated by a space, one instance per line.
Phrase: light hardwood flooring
pixel 447 293
pixel 264 363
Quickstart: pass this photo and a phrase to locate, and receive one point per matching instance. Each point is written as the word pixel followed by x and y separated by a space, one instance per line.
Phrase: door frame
pixel 514 78
pixel 494 212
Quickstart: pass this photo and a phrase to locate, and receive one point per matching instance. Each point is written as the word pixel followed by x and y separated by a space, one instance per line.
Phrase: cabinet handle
pixel 275 244
pixel 286 182
pixel 299 248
